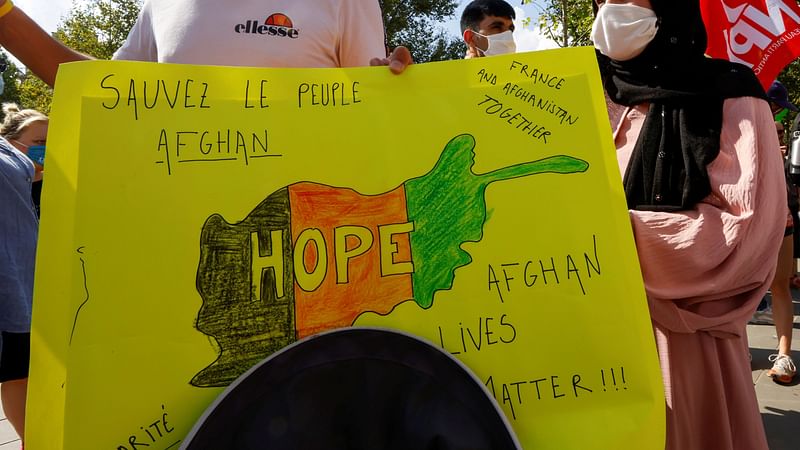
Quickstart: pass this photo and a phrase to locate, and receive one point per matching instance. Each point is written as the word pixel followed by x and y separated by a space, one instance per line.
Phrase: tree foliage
pixel 33 93
pixel 11 82
pixel 567 22
pixel 100 27
pixel 96 28
pixel 415 24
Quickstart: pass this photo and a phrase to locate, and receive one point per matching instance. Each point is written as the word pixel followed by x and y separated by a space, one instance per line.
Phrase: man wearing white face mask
pixel 704 185
pixel 487 27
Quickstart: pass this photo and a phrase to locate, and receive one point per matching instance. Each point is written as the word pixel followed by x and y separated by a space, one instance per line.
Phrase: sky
pixel 48 14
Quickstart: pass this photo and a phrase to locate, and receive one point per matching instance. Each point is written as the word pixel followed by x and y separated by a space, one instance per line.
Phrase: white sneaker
pixel 783 369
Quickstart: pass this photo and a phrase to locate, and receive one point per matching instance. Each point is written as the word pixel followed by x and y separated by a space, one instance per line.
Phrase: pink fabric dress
pixel 705 271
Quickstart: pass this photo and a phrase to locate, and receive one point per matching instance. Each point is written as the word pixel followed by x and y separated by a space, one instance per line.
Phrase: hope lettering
pixel 312 240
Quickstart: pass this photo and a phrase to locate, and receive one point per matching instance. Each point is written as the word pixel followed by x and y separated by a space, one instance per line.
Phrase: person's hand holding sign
pixel 397 61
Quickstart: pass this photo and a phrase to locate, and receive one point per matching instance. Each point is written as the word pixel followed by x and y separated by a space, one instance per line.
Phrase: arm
pixel 33 46
pixel 360 33
pixel 363 38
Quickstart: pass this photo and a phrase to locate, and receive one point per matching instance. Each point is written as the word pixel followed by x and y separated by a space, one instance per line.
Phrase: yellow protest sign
pixel 196 219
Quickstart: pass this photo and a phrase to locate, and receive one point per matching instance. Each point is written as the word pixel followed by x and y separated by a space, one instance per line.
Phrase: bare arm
pixel 33 46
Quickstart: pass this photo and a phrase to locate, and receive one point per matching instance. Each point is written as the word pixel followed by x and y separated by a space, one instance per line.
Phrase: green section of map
pixel 448 208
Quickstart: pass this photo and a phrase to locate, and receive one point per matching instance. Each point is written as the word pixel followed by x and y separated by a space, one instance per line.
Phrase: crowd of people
pixel 712 216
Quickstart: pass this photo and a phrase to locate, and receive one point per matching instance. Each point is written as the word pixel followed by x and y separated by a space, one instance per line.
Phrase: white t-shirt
pixel 257 33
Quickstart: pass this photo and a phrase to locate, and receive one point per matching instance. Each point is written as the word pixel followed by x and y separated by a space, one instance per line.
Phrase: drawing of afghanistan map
pixel 312 257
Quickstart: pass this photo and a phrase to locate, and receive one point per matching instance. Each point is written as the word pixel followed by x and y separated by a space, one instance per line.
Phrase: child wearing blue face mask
pixel 26 130
pixel 487 27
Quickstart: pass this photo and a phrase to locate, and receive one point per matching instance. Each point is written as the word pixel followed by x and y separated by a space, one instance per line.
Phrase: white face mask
pixel 622 32
pixel 500 44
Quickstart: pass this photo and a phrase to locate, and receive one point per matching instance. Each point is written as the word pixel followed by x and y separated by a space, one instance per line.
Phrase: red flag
pixel 761 34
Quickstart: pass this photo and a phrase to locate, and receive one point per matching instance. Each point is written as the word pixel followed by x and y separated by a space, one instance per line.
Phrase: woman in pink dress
pixel 696 144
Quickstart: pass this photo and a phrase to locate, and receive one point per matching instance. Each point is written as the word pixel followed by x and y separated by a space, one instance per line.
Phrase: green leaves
pixel 11 80
pixel 568 22
pixel 415 24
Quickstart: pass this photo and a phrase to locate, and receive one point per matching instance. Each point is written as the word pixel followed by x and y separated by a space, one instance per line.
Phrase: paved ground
pixel 8 438
pixel 780 405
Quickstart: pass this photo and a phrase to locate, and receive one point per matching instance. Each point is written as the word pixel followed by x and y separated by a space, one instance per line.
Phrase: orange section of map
pixel 337 304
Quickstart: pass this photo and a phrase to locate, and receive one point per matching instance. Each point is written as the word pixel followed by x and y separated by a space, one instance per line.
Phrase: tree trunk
pixel 564 22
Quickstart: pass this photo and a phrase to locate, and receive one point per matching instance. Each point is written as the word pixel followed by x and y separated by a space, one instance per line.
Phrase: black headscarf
pixel 686 91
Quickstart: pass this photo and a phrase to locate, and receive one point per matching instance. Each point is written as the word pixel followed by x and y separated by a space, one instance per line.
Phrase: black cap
pixel 355 388
pixel 778 94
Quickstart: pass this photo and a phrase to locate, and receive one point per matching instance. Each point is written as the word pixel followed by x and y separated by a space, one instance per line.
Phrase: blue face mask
pixel 36 154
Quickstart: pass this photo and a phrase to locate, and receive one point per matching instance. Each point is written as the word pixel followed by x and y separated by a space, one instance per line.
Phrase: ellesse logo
pixel 276 25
